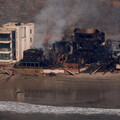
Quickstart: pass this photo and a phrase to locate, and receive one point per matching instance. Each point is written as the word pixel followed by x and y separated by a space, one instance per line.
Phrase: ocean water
pixel 25 111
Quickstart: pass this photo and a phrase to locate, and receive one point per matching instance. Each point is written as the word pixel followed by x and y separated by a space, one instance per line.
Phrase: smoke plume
pixel 59 15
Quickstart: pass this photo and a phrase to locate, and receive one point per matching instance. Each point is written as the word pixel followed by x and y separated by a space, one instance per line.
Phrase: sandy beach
pixel 80 90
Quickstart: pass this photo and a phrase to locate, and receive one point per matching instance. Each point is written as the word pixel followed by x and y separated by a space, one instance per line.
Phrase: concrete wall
pixel 29 35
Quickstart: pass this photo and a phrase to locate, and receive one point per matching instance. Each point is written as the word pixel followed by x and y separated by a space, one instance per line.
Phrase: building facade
pixel 15 38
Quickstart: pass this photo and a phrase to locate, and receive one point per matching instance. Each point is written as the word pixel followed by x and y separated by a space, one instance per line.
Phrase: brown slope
pixel 26 10
pixel 19 10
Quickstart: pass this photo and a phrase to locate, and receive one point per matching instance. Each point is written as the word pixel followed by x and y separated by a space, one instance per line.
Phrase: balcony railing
pixel 5 39
pixel 5 49
pixel 5 58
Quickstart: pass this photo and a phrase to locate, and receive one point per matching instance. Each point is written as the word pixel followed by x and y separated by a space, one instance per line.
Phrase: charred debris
pixel 86 48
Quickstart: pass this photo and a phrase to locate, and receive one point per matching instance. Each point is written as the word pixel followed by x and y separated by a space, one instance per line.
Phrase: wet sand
pixel 82 90
pixel 10 116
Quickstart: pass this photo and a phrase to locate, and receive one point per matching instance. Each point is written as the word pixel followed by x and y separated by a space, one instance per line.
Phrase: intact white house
pixel 15 38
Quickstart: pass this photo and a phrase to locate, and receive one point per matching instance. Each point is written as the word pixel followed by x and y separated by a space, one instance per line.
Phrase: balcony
pixel 5 40
pixel 5 50
pixel 5 57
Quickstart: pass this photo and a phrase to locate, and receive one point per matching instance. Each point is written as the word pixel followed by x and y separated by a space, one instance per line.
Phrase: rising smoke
pixel 59 15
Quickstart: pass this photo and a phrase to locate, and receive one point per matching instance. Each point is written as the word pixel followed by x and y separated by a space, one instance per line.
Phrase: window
pixel 24 31
pixel 30 31
pixel 30 39
pixel 14 54
pixel 5 37
pixel 5 56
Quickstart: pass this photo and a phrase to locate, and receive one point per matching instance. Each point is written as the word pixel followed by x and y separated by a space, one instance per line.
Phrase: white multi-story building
pixel 15 38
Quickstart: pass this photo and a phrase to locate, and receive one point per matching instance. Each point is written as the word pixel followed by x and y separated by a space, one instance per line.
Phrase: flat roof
pixel 29 24
pixel 86 31
pixel 6 30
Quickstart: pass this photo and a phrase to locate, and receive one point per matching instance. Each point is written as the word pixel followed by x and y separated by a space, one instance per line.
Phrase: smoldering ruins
pixel 73 33
pixel 88 48
pixel 57 17
pixel 80 36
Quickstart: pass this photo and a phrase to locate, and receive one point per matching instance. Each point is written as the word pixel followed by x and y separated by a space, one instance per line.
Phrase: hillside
pixel 19 10
pixel 107 17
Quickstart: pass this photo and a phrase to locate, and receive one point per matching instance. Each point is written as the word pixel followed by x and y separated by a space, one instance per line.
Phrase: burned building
pixel 115 49
pixel 88 44
pixel 115 45
pixel 82 35
pixel 88 47
pixel 34 58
